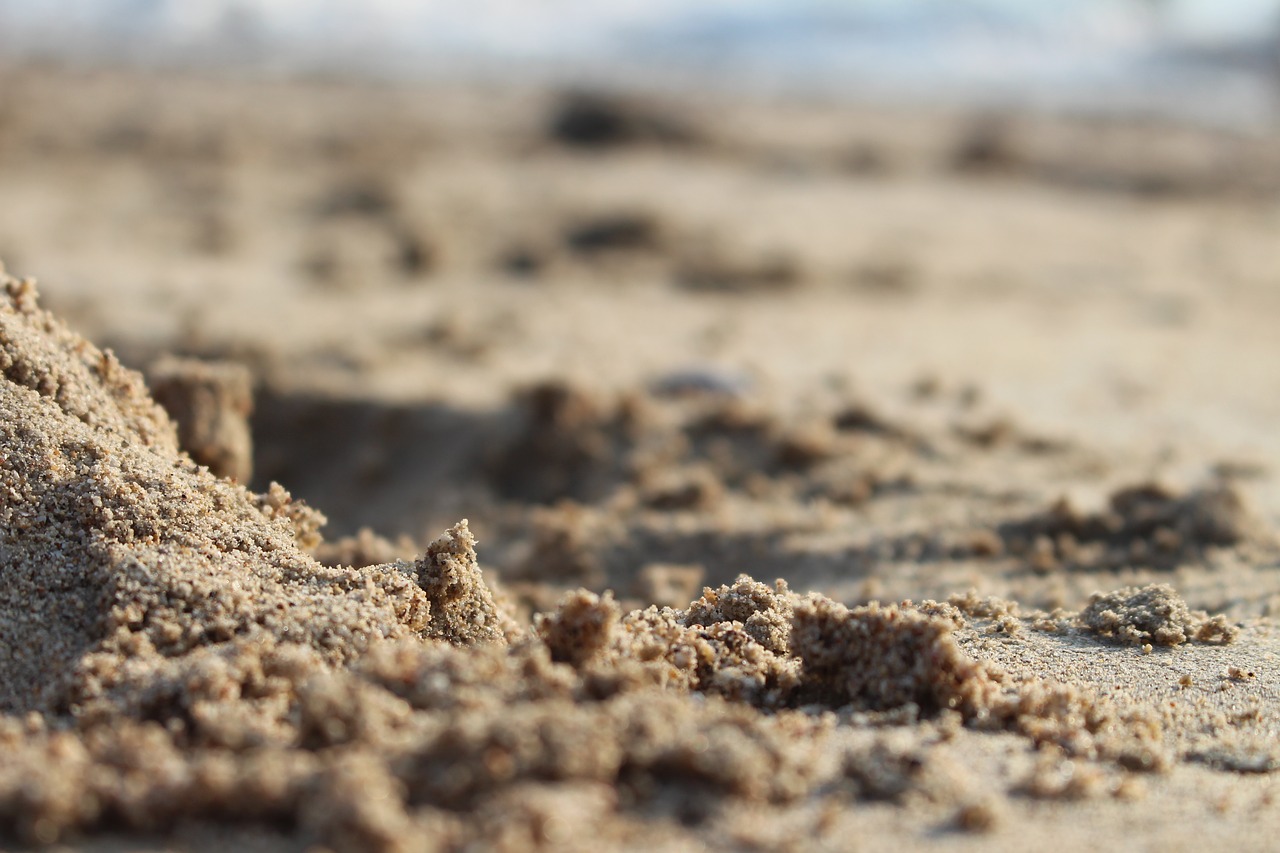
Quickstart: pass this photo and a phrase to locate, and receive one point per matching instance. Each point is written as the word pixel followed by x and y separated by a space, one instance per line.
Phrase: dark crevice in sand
pixel 376 464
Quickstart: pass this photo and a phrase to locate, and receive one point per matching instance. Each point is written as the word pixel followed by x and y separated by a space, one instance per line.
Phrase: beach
pixel 981 403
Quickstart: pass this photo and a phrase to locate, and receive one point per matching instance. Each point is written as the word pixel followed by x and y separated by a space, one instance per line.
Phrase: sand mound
pixel 116 542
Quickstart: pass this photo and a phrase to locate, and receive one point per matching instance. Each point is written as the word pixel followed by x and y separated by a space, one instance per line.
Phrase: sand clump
pixel 602 121
pixel 462 606
pixel 210 403
pixel 1152 614
pixel 888 657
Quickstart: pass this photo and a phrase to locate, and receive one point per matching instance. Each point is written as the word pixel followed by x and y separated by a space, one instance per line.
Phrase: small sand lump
pixel 1152 614
pixel 211 402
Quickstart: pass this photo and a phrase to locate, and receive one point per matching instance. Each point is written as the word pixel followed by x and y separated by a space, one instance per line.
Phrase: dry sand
pixel 991 395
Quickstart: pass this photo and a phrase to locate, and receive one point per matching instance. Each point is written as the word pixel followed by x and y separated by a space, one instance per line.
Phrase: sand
pixel 993 410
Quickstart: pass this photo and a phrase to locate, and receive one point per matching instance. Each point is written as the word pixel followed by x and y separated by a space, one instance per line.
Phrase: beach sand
pixel 834 476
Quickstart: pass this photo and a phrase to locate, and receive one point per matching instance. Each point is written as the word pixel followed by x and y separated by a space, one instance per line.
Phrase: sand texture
pixel 835 478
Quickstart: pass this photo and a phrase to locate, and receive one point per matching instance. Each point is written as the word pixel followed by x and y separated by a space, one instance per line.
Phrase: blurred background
pixel 1207 59
pixel 839 288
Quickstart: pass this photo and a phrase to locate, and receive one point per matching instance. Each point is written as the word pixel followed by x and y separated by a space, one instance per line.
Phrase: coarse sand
pixel 173 657
pixel 837 476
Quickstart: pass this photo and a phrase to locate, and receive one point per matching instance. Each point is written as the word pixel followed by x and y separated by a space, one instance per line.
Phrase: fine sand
pixel 836 477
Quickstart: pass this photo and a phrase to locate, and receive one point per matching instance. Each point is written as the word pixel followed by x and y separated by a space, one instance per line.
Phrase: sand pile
pixel 117 544
pixel 172 658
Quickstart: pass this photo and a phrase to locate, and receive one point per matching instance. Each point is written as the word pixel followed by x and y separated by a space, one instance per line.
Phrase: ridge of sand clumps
pixel 171 652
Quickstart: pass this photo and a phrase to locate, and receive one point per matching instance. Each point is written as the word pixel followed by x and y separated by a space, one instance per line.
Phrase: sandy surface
pixel 994 365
